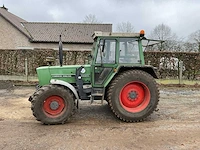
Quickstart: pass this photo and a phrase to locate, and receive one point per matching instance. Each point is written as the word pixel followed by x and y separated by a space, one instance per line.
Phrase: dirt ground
pixel 175 126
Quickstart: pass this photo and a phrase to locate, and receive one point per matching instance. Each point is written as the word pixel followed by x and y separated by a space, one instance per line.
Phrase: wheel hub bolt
pixel 132 95
pixel 54 105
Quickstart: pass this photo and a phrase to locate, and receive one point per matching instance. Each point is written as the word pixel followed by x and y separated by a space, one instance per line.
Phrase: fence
pixel 21 64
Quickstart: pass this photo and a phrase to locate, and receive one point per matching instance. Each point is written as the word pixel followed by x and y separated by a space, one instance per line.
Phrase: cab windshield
pixel 106 51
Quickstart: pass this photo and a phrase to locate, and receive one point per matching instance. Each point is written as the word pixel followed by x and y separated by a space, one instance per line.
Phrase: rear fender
pixel 149 69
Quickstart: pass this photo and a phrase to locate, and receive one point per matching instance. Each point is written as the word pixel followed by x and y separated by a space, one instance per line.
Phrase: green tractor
pixel 116 73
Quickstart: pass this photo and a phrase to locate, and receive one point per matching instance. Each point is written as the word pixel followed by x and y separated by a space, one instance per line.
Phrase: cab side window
pixel 129 51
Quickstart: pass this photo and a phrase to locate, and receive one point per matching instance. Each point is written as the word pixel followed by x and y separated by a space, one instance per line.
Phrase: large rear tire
pixel 133 95
pixel 52 104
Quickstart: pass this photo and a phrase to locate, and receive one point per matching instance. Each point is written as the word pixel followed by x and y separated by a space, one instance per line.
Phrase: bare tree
pixel 126 27
pixel 164 32
pixel 91 19
pixel 195 39
pixel 189 47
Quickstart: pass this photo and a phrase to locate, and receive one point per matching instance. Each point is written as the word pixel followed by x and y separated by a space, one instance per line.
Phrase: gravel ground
pixel 175 126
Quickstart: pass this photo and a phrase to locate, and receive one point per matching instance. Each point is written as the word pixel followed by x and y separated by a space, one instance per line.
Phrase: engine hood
pixel 64 73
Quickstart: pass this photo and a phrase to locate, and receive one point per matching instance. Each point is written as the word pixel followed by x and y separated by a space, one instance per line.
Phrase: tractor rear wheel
pixel 133 95
pixel 52 104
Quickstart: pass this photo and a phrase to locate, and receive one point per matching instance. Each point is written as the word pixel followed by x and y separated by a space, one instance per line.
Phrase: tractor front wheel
pixel 133 95
pixel 52 104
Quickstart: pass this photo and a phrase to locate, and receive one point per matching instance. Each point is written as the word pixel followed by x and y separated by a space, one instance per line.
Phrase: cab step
pixel 97 94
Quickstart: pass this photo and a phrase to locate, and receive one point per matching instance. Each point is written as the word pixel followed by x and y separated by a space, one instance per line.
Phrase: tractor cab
pixel 123 48
pixel 113 52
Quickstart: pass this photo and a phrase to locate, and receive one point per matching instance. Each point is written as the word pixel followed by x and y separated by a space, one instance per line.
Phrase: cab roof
pixel 112 34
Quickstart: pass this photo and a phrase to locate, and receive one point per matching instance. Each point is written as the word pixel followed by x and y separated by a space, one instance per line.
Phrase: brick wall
pixel 10 37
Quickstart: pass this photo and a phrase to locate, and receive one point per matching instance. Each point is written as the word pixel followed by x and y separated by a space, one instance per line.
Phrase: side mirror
pixel 103 47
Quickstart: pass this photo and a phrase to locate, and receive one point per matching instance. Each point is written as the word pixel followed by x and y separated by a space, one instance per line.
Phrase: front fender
pixel 66 84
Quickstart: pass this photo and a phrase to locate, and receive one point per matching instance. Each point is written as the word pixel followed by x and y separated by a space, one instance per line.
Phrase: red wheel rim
pixel 134 96
pixel 53 106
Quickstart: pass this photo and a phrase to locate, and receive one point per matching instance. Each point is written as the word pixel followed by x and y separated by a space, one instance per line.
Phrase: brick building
pixel 17 33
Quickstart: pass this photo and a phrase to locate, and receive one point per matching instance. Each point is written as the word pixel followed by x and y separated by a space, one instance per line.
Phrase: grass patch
pixel 174 81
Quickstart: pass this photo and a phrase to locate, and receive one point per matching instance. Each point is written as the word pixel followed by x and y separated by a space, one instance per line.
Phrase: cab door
pixel 104 62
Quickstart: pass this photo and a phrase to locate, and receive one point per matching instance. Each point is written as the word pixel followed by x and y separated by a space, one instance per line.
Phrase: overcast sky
pixel 183 16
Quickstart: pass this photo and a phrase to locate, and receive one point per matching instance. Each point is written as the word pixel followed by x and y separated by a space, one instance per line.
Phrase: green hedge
pixel 12 62
pixel 191 63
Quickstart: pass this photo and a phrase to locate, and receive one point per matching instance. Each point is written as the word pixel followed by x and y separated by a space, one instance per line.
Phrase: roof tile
pixel 49 32
pixel 71 32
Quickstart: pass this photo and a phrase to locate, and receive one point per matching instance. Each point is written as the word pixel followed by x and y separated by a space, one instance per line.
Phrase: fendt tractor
pixel 115 73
